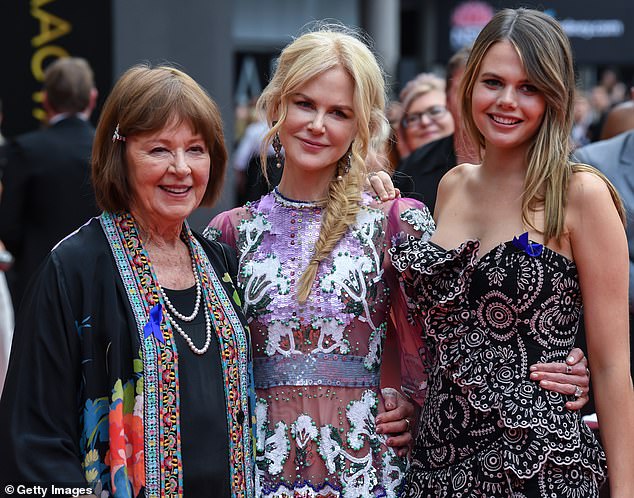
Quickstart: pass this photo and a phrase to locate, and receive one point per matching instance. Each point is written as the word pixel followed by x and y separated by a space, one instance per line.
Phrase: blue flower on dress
pixel 531 248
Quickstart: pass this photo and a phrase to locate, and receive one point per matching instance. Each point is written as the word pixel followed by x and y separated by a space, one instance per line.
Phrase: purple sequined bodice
pixel 316 365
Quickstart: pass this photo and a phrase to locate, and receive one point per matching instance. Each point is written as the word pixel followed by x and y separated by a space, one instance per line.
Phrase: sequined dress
pixel 487 430
pixel 317 365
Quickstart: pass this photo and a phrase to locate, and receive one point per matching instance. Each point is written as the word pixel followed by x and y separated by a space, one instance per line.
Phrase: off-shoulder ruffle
pixel 421 263
pixel 487 369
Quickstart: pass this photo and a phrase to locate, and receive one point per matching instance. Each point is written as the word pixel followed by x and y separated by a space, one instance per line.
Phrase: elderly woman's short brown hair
pixel 145 100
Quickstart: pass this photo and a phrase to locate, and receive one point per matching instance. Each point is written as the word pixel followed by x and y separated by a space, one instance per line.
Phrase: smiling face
pixel 319 126
pixel 506 107
pixel 427 119
pixel 168 171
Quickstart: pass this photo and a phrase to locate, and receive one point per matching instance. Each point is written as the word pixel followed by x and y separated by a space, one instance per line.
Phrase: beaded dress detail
pixel 486 428
pixel 316 365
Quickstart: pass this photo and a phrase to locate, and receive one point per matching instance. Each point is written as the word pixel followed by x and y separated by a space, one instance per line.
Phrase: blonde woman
pixel 544 237
pixel 315 275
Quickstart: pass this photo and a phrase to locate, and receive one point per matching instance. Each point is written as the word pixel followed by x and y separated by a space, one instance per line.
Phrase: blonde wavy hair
pixel 545 51
pixel 308 56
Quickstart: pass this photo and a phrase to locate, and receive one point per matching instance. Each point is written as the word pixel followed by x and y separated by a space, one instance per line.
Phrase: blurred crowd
pixel 425 110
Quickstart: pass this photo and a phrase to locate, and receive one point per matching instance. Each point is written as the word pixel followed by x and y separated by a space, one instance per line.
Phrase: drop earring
pixel 346 164
pixel 277 147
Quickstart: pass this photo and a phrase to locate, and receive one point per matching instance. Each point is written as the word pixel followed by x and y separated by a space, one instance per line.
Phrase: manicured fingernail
pixel 570 359
pixel 533 368
pixel 534 375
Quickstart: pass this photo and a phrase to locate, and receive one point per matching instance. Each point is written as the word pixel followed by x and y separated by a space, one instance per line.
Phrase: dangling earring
pixel 277 147
pixel 346 164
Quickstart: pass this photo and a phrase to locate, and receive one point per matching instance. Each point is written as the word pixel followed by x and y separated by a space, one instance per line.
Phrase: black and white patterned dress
pixel 486 429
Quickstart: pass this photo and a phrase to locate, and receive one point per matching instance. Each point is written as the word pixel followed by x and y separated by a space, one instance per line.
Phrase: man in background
pixel 615 159
pixel 47 191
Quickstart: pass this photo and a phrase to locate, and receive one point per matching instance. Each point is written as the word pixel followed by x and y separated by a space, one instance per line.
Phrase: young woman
pixel 543 237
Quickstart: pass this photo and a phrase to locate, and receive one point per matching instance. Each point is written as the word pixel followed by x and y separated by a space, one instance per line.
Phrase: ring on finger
pixel 568 369
pixel 578 392
pixel 408 424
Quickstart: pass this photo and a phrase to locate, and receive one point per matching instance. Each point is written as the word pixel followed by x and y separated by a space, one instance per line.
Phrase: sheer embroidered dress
pixel 486 428
pixel 317 364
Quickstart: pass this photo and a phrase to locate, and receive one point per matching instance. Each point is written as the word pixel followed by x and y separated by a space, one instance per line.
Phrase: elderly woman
pixel 424 114
pixel 137 381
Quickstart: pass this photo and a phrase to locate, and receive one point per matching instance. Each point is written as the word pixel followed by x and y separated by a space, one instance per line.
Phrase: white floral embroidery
pixel 368 226
pixel 329 447
pixel 361 482
pixel 260 278
pixel 348 275
pixel 212 233
pixel 358 475
pixel 421 220
pixel 362 424
pixel 272 448
pixel 332 330
pixel 304 430
pixel 276 332
pixel 251 233
pixel 392 474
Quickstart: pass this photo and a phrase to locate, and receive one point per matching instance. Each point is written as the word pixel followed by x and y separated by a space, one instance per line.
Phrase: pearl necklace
pixel 188 339
pixel 189 318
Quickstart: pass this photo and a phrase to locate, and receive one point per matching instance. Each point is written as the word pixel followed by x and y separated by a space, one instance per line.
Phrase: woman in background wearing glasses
pixel 425 117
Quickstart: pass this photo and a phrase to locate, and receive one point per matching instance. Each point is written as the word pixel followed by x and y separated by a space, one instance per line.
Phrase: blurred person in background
pixel 47 190
pixel 424 115
pixel 249 181
pixel 614 157
pixel 582 119
pixel 601 103
pixel 419 174
pixel 615 89
pixel 619 119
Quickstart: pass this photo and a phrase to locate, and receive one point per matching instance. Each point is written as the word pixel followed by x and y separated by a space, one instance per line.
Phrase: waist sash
pixel 317 369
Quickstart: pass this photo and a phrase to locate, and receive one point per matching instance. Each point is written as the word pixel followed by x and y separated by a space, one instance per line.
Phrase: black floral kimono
pixel 94 393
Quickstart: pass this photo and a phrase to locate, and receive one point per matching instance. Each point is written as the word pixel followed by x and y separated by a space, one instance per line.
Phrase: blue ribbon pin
pixel 531 248
pixel 153 325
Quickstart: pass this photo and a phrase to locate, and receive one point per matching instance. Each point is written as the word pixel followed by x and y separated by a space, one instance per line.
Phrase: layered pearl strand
pixel 189 318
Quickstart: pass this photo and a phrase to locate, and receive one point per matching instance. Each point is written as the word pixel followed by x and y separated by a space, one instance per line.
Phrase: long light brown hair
pixel 545 51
